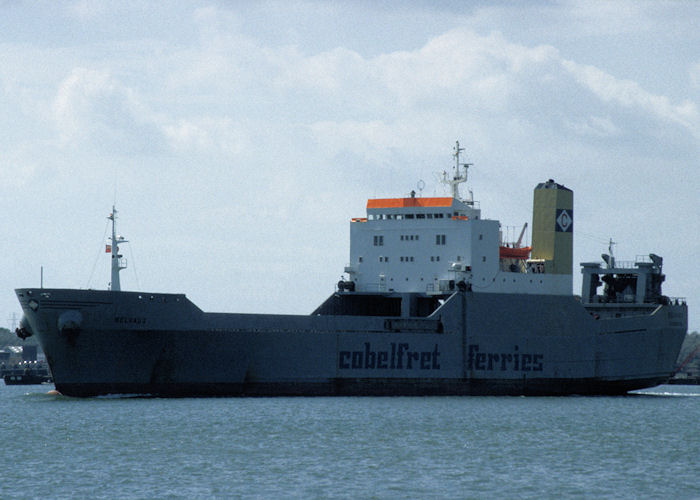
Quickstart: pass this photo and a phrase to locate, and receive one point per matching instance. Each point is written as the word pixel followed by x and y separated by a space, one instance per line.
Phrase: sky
pixel 238 139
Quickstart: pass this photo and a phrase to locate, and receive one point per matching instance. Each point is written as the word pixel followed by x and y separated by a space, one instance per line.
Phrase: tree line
pixel 8 337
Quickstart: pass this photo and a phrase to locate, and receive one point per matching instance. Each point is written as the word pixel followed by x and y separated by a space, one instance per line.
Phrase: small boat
pixel 27 377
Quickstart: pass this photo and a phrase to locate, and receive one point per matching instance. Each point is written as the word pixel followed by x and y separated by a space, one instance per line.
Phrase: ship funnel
pixel 553 227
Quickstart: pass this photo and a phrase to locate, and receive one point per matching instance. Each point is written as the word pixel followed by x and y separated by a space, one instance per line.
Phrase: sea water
pixel 642 446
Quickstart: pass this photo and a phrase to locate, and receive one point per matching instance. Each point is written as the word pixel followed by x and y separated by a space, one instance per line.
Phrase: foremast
pixel 118 263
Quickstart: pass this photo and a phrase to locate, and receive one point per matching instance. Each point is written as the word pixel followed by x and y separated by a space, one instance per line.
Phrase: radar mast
pixel 117 262
pixel 458 178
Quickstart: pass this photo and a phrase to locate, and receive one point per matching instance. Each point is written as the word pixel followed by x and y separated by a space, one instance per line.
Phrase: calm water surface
pixel 641 446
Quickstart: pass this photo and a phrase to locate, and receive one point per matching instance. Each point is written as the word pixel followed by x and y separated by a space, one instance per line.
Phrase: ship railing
pixel 628 264
pixel 625 264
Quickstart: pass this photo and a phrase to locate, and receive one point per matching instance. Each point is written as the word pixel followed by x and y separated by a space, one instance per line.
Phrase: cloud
pixel 610 18
pixel 214 21
pixel 374 138
pixel 217 94
pixel 91 107
pixel 481 70
pixel 87 10
pixel 463 82
pixel 329 71
pixel 16 167
pixel 206 134
pixel 594 126
pixel 458 64
pixel 695 75
pixel 631 95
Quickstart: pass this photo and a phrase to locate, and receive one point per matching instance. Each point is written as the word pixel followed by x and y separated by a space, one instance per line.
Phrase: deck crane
pixel 520 238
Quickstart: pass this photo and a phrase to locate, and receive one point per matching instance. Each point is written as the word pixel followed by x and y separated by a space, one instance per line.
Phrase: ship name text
pixel 398 357
pixel 515 361
pixel 130 320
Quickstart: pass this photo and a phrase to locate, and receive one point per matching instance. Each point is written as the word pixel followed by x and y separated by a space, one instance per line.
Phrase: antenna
pixel 457 150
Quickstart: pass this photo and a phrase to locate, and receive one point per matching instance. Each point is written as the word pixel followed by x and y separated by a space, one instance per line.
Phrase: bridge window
pixel 378 241
pixel 440 239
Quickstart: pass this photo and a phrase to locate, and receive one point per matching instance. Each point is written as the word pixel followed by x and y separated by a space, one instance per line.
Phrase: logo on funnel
pixel 565 220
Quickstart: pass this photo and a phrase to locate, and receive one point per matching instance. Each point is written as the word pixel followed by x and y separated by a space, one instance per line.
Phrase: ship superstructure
pixel 433 301
pixel 429 245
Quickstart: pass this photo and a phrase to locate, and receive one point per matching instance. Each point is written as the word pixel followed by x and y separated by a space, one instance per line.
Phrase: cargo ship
pixel 432 302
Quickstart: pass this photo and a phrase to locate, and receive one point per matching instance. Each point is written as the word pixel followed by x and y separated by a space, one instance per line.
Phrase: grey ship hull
pixel 102 342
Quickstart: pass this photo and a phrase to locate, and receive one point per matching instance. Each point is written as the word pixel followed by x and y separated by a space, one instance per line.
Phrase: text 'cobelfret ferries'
pixel 399 357
pixel 504 361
